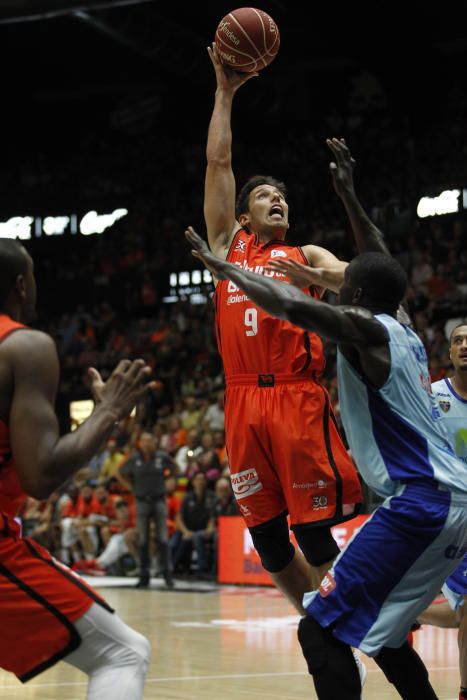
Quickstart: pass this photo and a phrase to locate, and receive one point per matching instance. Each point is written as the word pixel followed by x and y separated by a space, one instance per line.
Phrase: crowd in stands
pixel 102 299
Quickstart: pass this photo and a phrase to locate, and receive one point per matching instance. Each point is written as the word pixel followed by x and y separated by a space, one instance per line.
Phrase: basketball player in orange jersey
pixel 48 613
pixel 285 452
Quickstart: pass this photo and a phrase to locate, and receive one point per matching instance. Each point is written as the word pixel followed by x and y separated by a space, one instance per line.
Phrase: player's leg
pixel 318 478
pixel 258 490
pixel 439 615
pixel 115 549
pixel 112 654
pixel 162 540
pixel 462 642
pixel 406 671
pixel 378 584
pixel 330 662
pixel 319 549
pixel 143 517
pixel 53 614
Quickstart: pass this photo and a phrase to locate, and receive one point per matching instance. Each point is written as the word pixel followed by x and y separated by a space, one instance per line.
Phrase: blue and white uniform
pixel 397 562
pixel 454 412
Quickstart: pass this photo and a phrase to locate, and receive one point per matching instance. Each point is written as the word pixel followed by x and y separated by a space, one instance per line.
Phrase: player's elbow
pixel 37 488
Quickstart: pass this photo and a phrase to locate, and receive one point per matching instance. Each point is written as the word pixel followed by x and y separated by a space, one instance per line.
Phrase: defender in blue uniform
pixel 451 395
pixel 394 566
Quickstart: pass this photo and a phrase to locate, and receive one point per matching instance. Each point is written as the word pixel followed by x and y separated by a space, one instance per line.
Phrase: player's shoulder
pixel 440 388
pixel 29 349
pixel 29 340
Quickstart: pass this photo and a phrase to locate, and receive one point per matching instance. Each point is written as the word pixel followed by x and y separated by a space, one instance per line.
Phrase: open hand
pixel 227 78
pixel 201 251
pixel 124 388
pixel 342 168
pixel 299 275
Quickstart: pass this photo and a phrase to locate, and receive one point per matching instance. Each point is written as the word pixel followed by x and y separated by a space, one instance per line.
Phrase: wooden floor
pixel 227 644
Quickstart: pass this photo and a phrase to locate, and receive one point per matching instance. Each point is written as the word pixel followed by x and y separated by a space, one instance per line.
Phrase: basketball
pixel 247 40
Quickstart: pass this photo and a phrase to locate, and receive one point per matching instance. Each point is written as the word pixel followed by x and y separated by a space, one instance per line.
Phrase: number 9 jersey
pixel 248 338
pixel 284 450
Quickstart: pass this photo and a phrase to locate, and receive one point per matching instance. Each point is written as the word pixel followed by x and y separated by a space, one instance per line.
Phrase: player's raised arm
pixel 43 459
pixel 339 324
pixel 219 192
pixel 367 236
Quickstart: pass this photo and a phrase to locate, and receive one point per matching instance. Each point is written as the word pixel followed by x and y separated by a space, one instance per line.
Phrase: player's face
pixel 267 209
pixel 458 349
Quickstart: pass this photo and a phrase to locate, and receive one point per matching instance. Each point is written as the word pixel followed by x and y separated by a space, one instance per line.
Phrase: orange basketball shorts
pixel 286 454
pixel 39 601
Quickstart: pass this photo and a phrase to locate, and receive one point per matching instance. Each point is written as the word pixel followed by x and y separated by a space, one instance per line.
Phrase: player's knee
pixel 317 544
pixel 312 643
pixel 141 648
pixel 272 542
pixel 134 650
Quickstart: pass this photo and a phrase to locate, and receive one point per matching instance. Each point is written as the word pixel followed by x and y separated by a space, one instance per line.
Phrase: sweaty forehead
pixel 460 332
pixel 264 188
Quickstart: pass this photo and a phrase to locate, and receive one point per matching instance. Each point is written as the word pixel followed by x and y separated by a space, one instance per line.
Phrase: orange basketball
pixel 247 39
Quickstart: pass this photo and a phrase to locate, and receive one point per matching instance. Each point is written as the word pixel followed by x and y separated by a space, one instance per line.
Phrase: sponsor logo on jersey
pixel 241 245
pixel 245 483
pixel 328 584
pixel 320 502
pixel 278 253
pixel 236 299
pixel 444 405
pixel 245 511
pixel 320 484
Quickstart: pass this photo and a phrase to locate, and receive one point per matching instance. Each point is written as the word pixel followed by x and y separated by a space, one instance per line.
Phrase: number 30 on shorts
pixel 251 321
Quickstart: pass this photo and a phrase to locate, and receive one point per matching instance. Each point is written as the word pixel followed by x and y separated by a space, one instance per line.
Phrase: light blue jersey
pixel 396 434
pixel 397 562
pixel 454 413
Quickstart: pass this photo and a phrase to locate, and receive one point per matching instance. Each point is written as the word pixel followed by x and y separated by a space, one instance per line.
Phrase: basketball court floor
pixel 225 643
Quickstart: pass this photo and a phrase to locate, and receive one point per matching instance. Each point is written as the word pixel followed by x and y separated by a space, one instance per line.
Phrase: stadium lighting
pixel 445 203
pixel 92 222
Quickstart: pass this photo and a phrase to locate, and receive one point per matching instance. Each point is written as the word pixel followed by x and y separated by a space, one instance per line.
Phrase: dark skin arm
pixel 361 337
pixel 350 326
pixel 367 236
pixel 43 459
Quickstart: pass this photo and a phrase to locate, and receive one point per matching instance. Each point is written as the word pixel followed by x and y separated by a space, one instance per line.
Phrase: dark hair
pixel 458 325
pixel 382 279
pixel 241 206
pixel 13 262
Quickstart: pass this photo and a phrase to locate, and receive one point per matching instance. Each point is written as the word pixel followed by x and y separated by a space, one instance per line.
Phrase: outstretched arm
pixel 44 460
pixel 367 236
pixel 349 325
pixel 219 192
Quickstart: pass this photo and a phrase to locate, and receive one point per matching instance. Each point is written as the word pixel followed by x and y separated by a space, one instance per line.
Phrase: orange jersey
pixel 11 492
pixel 250 340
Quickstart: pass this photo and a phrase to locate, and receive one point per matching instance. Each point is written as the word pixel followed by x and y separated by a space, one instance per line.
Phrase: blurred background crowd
pixel 129 131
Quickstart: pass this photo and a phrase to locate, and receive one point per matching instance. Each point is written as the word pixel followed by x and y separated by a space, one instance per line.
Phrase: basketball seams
pixel 254 57
pixel 251 59
pixel 260 17
pixel 228 47
pixel 245 33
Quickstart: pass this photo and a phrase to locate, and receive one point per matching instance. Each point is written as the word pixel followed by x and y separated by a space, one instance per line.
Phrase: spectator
pixel 194 526
pixel 145 471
